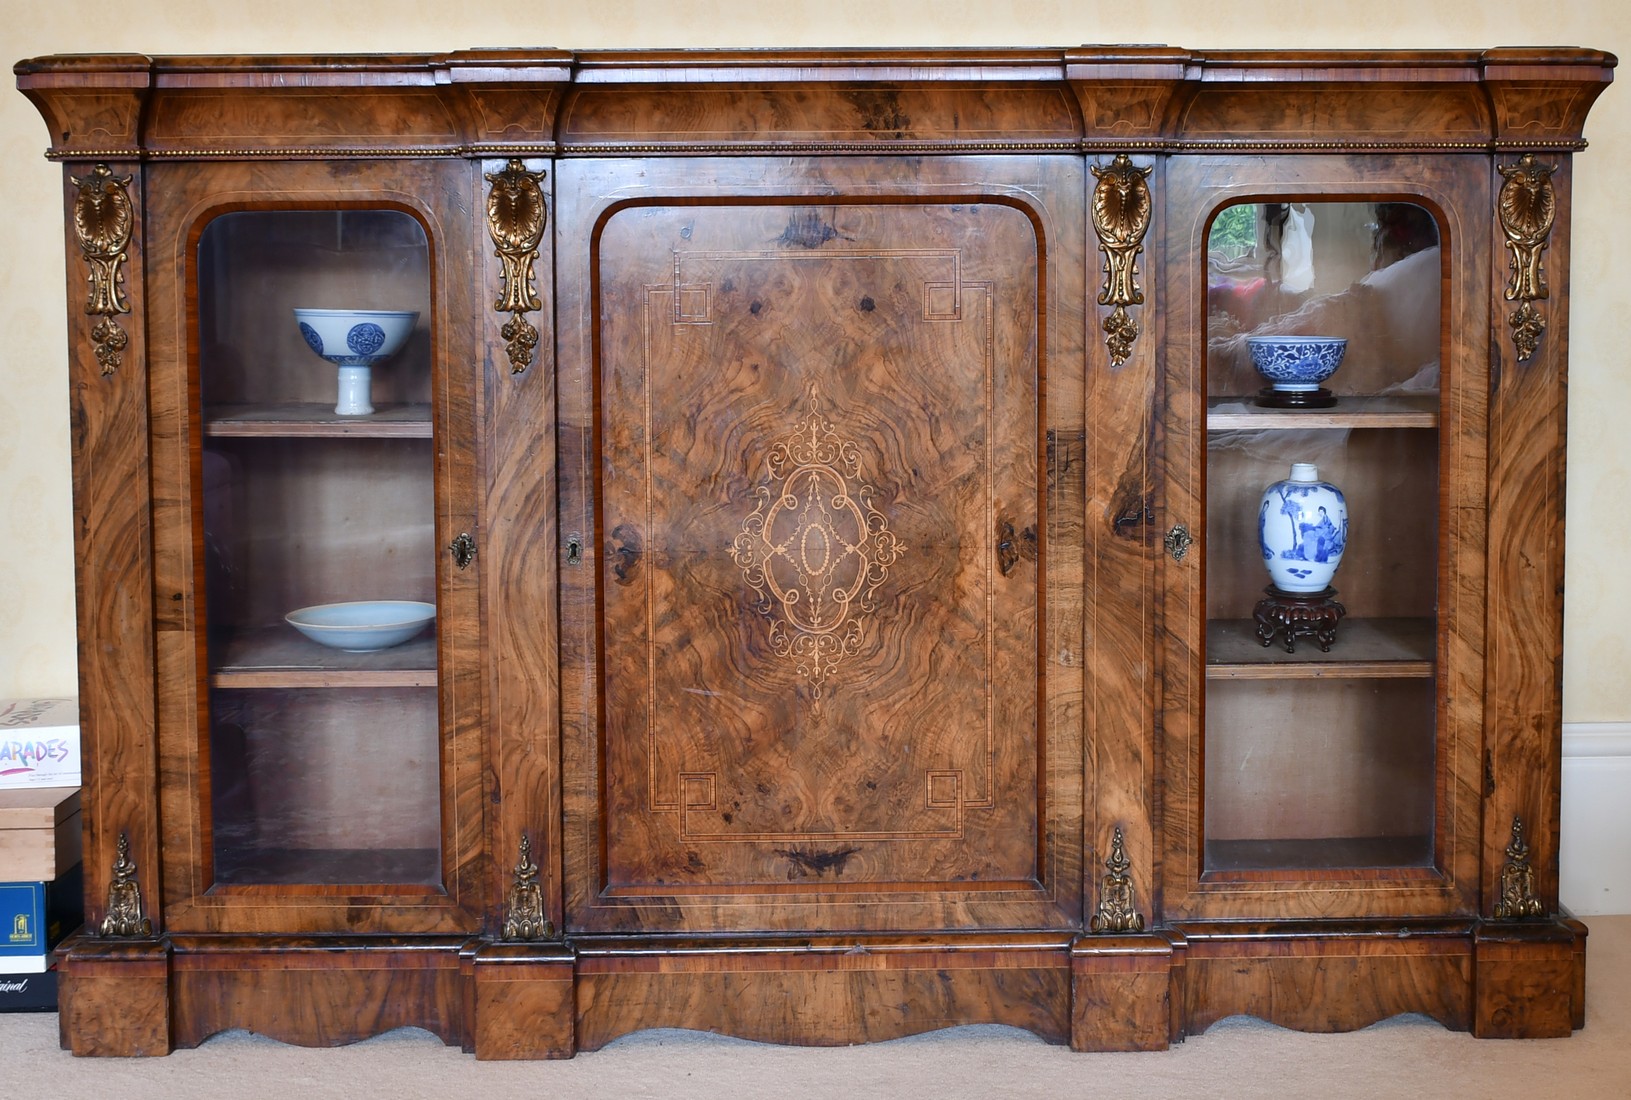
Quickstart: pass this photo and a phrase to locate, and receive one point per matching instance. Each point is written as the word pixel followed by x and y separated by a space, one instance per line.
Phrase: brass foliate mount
pixel 1527 206
pixel 1121 216
pixel 104 219
pixel 524 908
pixel 1517 899
pixel 516 216
pixel 124 919
pixel 1117 911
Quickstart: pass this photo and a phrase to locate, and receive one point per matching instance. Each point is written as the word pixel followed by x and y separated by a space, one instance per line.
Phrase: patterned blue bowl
pixel 355 337
pixel 1296 364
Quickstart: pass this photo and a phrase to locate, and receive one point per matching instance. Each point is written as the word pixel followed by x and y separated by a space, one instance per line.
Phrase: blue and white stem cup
pixel 1302 529
pixel 354 340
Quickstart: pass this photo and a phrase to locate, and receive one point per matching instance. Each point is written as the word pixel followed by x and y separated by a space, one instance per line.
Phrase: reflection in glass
pixel 1317 761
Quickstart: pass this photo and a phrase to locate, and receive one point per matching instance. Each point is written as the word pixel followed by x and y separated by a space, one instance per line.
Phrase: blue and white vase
pixel 1302 529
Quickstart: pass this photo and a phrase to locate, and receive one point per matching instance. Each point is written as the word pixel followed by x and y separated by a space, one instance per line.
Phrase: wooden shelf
pixel 1364 649
pixel 316 421
pixel 1225 414
pixel 280 657
pixel 1228 858
pixel 378 870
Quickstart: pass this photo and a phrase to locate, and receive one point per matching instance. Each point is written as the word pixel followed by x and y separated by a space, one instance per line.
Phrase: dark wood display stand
pixel 835 481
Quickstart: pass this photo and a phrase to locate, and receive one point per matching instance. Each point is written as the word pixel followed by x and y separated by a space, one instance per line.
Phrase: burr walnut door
pixel 808 464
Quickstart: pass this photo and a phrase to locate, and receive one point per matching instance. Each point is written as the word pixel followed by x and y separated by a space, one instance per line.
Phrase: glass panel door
pixel 1324 335
pixel 319 560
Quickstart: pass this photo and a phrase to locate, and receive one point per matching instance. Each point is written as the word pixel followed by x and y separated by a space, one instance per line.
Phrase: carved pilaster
pixel 516 218
pixel 104 218
pixel 1528 207
pixel 1121 216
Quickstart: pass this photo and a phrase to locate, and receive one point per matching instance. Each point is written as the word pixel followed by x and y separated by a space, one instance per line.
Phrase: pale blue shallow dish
pixel 362 626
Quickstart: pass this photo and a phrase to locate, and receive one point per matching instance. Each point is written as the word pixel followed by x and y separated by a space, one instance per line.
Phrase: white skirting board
pixel 1595 872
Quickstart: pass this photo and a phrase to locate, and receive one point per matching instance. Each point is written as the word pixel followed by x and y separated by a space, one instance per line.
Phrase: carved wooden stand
pixel 1292 615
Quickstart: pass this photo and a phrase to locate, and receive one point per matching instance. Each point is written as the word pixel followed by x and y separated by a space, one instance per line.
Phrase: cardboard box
pixel 41 833
pixel 29 992
pixel 34 918
pixel 39 743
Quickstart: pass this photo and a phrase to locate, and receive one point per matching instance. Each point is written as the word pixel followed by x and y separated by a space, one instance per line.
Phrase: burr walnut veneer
pixel 835 475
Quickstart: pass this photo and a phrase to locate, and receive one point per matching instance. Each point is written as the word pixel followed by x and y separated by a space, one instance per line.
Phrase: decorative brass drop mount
pixel 524 908
pixel 1517 900
pixel 1121 216
pixel 516 216
pixel 124 918
pixel 104 219
pixel 1117 911
pixel 1528 208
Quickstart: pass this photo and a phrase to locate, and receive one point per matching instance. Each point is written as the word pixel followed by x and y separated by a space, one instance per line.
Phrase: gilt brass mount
pixel 524 908
pixel 1528 207
pixel 516 217
pixel 1121 216
pixel 103 221
pixel 1517 899
pixel 124 918
pixel 1117 911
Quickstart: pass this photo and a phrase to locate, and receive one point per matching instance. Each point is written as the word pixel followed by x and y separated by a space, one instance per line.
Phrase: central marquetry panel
pixel 819 488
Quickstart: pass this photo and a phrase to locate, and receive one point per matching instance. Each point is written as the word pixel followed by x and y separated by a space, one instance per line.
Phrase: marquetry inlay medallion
pixel 815 548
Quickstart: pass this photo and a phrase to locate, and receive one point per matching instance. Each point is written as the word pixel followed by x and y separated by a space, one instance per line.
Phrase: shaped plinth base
pixel 1271 398
pixel 1293 615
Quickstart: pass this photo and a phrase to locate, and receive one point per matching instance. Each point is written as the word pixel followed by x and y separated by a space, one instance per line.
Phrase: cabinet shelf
pixel 277 657
pixel 1364 649
pixel 1225 414
pixel 297 421
pixel 1228 859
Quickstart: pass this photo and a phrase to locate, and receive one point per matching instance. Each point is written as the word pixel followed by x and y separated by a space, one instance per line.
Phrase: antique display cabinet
pixel 840 488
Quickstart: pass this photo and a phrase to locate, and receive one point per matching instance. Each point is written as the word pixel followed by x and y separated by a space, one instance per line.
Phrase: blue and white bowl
pixel 355 337
pixel 354 340
pixel 1296 364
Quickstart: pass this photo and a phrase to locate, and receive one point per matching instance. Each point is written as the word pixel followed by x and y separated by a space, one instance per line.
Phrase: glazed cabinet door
pixel 1323 689
pixel 821 574
pixel 313 404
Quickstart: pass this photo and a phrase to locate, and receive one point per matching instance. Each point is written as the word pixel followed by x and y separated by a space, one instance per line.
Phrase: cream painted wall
pixel 37 654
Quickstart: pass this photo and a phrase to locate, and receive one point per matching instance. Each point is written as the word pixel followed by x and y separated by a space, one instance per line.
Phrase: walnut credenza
pixel 834 475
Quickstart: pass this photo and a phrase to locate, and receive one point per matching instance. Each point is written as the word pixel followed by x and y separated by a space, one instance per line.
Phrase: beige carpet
pixel 1404 1057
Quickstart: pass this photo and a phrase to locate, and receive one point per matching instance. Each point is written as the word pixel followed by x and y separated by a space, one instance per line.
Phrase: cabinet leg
pixel 1527 979
pixel 525 1001
pixel 114 997
pixel 1122 993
